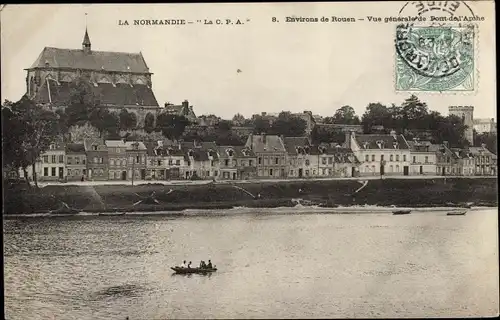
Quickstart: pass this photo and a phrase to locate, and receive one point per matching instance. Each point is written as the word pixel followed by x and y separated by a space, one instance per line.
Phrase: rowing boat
pixel 457 213
pixel 193 270
pixel 398 212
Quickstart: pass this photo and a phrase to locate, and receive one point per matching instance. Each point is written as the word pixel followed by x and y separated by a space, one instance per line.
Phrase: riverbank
pixel 158 197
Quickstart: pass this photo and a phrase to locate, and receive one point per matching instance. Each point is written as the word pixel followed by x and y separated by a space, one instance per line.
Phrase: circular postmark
pixel 437 11
pixel 435 52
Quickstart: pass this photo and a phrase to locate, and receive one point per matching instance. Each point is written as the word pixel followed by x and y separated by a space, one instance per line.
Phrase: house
pixel 97 159
pixel 447 161
pixel 422 158
pixel 117 159
pixel 465 161
pixel 136 154
pixel 485 125
pixel 271 155
pixel 184 109
pixel 201 160
pixel 336 161
pixel 483 161
pixel 174 161
pixel 54 162
pixel 237 162
pixel 380 154
pixel 76 161
pixel 302 158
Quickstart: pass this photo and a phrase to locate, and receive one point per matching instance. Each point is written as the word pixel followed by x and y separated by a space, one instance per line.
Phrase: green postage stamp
pixel 435 58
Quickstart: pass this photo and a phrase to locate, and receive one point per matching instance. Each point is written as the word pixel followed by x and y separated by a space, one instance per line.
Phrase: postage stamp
pixel 435 58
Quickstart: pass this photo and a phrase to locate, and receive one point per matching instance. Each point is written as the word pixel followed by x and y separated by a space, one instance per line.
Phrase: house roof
pixel 93 60
pixel 130 146
pixel 420 146
pixel 371 141
pixel 294 145
pixel 75 148
pixel 265 143
pixel 239 152
pixel 480 151
pixel 120 94
pixel 93 141
pixel 201 150
pixel 115 143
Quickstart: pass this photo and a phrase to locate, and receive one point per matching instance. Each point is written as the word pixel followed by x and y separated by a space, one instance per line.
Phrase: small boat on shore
pixel 457 213
pixel 399 212
pixel 193 270
pixel 111 214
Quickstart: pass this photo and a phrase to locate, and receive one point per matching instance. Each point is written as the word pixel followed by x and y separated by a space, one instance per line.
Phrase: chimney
pixel 263 114
pixel 185 104
pixel 393 134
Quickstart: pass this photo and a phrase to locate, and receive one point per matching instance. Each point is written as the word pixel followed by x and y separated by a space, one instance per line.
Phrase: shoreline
pixel 235 211
pixel 327 195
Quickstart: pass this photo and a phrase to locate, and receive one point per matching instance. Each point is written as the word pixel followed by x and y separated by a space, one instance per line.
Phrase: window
pixel 367 158
pixel 381 157
pixel 53 159
pixel 323 171
pixel 83 161
pixel 323 161
pixel 159 162
pixel 45 171
pixel 208 173
pixel 177 162
pixel 307 162
pixel 404 158
pixel 414 159
pixel 250 162
pixel 397 168
pixel 94 147
pixel 137 159
pixel 216 173
pixel 391 158
pixel 426 159
pixel 226 162
pixel 260 160
pixel 77 160
pixel 111 162
pixel 170 161
pixel 277 160
pixel 69 172
pixel 45 159
pixel 70 160
pixel 95 159
pixel 53 171
pixel 397 157
pixel 61 158
pixel 270 172
pixel 330 160
pixel 373 157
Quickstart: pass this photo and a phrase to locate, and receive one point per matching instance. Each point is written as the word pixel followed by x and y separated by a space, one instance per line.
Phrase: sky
pixel 284 66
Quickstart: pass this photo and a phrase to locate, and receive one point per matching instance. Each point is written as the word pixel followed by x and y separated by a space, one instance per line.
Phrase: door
pixel 124 175
pixel 421 170
pixel 443 172
pixel 143 174
pixel 61 172
pixel 300 173
pixel 234 175
pixel 353 172
pixel 382 169
pixel 405 170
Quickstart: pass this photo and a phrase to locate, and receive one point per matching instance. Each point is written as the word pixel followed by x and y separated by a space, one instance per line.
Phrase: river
pixel 270 266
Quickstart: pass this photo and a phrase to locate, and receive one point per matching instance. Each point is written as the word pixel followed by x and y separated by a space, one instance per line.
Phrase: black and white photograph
pixel 249 160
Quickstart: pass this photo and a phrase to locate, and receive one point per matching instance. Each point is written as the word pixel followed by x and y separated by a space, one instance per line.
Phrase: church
pixel 118 80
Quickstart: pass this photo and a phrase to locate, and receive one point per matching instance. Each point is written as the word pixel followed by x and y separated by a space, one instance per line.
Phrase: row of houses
pixel 262 157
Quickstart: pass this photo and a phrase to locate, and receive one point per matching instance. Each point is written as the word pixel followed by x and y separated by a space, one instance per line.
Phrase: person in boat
pixel 202 264
pixel 209 265
pixel 189 265
pixel 183 265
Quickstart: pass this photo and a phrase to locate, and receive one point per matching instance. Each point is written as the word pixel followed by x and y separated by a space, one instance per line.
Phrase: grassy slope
pixel 398 192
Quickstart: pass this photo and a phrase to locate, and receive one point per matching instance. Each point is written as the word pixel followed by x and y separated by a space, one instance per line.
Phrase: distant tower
pixel 466 113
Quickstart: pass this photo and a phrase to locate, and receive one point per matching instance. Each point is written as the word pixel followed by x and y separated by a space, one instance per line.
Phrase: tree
pixel 487 138
pixel 288 125
pixel 35 129
pixel 238 119
pixel 128 120
pixel 171 126
pixel 80 133
pixel 149 122
pixel 326 135
pixel 345 115
pixel 260 125
pixel 375 114
pixel 413 111
pixel 452 129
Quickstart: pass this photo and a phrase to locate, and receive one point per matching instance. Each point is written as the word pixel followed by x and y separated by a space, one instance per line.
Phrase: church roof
pixel 119 95
pixel 93 60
